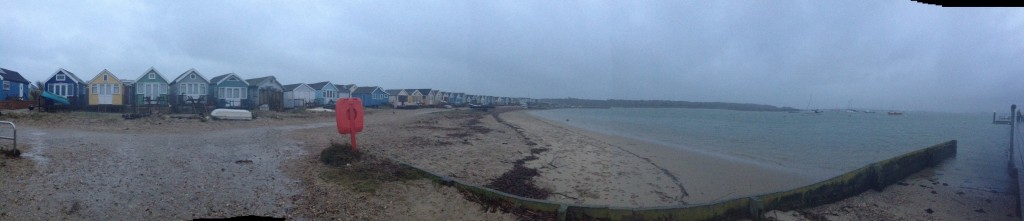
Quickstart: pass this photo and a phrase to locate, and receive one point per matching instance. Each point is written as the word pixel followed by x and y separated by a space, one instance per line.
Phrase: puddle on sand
pixel 306 126
pixel 35 154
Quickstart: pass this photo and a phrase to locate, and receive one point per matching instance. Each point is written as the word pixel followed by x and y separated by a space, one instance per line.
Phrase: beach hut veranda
pixel 230 91
pixel 151 89
pixel 190 90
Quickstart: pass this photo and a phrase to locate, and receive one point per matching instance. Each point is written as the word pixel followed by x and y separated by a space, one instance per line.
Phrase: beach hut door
pixel 106 94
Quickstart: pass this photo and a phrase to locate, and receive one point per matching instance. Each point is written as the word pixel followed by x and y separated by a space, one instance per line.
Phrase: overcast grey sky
pixel 873 54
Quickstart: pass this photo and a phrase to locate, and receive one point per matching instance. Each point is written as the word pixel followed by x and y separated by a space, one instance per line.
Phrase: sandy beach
pixel 635 173
pixel 100 166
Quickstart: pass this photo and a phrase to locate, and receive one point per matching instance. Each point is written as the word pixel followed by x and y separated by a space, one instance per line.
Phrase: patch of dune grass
pixel 362 172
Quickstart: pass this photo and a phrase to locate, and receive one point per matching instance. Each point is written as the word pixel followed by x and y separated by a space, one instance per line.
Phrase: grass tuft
pixel 363 173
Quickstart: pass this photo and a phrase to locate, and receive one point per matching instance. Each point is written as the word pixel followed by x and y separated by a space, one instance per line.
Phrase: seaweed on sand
pixel 364 173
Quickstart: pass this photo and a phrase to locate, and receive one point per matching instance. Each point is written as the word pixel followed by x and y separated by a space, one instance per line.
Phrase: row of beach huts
pixel 192 92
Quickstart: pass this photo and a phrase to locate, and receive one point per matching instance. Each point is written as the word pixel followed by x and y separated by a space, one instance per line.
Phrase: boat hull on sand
pixel 231 114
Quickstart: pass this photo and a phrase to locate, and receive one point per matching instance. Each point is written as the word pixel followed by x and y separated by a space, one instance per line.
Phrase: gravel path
pixel 95 166
pixel 76 174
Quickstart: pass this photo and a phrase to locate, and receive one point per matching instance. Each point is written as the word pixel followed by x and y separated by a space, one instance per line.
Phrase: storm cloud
pixel 868 54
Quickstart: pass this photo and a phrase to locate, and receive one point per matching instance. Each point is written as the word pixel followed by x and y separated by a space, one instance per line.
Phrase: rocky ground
pixel 98 166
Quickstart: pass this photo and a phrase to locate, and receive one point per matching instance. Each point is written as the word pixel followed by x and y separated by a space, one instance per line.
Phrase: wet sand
pixel 635 173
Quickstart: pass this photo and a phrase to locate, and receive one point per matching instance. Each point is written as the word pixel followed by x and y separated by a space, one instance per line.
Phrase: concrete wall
pixel 873 176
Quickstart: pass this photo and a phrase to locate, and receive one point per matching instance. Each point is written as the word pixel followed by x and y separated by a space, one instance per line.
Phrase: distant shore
pixel 588 103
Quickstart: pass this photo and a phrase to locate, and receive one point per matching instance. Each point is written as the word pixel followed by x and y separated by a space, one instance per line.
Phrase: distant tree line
pixel 586 103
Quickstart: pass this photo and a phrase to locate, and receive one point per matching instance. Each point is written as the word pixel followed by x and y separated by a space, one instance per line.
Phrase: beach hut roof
pixel 365 90
pixel 105 71
pixel 9 75
pixel 321 85
pixel 347 87
pixel 186 73
pixel 69 74
pixel 292 87
pixel 393 91
pixel 423 91
pixel 259 80
pixel 153 70
pixel 221 78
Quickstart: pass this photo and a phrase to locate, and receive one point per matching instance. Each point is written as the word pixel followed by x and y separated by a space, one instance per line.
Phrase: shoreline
pixel 703 177
pixel 818 174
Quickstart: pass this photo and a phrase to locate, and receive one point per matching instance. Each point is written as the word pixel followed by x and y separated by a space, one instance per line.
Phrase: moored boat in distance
pixel 895 113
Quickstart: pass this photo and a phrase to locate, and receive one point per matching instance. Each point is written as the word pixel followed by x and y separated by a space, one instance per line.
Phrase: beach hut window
pixel 7 85
pixel 193 76
pixel 95 89
pixel 104 77
pixel 152 75
pixel 117 89
pixel 202 89
pixel 59 89
pixel 220 92
pixel 60 77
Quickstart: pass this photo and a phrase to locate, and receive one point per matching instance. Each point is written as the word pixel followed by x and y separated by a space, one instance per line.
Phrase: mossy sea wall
pixel 876 176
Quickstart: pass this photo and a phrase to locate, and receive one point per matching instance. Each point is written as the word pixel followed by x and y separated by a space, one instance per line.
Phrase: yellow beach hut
pixel 105 89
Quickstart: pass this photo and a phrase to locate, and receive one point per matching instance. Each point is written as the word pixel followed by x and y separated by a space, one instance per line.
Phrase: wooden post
pixel 1013 125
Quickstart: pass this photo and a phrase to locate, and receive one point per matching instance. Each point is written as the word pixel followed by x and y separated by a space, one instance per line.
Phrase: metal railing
pixel 1002 119
pixel 13 137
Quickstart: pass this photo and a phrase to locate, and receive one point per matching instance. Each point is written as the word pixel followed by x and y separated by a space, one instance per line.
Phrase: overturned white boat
pixel 231 114
pixel 320 109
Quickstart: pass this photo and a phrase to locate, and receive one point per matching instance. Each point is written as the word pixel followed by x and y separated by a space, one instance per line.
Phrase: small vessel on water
pixel 869 111
pixel 895 113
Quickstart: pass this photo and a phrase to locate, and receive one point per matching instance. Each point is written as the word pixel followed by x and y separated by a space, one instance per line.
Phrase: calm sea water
pixel 819 145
